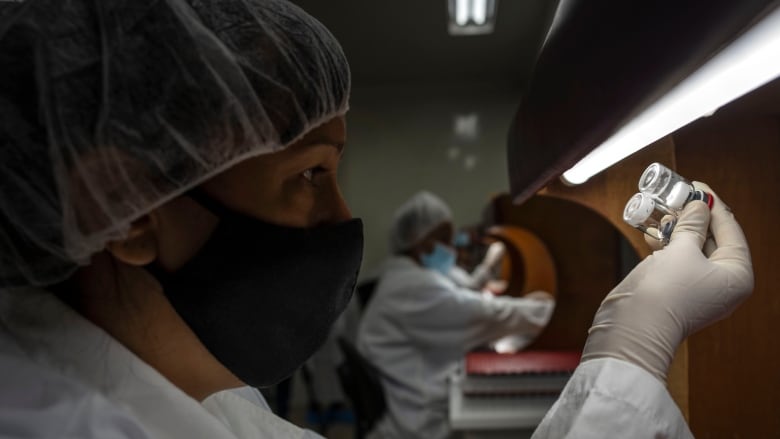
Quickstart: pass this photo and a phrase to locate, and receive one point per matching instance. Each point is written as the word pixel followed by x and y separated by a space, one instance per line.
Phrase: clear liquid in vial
pixel 644 213
pixel 666 186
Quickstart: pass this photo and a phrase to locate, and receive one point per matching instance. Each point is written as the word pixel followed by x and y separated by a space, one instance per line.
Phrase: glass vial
pixel 670 188
pixel 653 218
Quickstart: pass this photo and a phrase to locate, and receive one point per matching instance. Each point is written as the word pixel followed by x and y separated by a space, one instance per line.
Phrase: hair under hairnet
pixel 417 217
pixel 110 108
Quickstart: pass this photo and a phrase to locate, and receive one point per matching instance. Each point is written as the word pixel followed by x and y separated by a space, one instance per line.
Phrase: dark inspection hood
pixel 604 61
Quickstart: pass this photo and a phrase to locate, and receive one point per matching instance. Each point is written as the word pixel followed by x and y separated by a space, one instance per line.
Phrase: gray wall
pixel 400 140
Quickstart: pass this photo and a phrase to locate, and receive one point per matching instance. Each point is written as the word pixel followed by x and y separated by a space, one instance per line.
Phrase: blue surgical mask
pixel 441 259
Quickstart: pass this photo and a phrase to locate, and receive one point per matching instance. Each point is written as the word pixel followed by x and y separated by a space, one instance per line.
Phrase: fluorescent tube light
pixel 472 17
pixel 479 11
pixel 462 12
pixel 748 63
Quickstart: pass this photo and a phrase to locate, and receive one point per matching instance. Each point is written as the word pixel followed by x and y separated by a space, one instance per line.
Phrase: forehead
pixel 265 185
pixel 332 132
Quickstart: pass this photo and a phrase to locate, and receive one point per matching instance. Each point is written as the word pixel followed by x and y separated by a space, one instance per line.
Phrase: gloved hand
pixel 493 255
pixel 483 272
pixel 675 291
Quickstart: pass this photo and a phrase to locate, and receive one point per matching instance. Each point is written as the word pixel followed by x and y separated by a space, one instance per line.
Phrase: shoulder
pixel 402 275
pixel 403 288
pixel 40 402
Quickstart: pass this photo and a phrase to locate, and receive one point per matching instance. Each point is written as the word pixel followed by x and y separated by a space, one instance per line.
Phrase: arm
pixel 477 279
pixel 468 320
pixel 620 384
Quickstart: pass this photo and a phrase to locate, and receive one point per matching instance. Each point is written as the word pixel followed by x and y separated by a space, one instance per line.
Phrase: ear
pixel 140 247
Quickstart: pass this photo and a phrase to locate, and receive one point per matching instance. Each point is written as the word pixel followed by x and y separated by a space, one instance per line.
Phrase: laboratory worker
pixel 419 323
pixel 619 389
pixel 172 236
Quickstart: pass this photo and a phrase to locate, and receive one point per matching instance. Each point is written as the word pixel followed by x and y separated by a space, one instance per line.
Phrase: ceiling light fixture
pixel 471 17
pixel 465 127
pixel 749 62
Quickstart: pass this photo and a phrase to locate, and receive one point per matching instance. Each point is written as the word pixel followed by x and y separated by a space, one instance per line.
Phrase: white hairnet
pixel 417 217
pixel 110 108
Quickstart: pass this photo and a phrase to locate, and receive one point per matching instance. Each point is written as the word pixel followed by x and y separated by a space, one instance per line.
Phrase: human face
pixel 294 187
pixel 442 234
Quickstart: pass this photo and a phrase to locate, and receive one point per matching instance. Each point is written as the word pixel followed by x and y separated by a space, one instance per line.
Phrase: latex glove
pixel 539 295
pixel 675 291
pixel 709 243
pixel 484 271
pixel 493 255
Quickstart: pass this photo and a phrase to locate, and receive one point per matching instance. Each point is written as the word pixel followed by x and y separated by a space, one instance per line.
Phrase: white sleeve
pixel 608 398
pixel 463 278
pixel 500 316
pixel 464 319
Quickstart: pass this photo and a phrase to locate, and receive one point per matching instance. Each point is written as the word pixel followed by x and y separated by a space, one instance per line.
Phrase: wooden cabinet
pixel 585 251
pixel 734 370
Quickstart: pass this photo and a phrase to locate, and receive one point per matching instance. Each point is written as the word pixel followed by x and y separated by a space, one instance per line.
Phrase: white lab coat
pixel 416 329
pixel 609 398
pixel 464 279
pixel 61 376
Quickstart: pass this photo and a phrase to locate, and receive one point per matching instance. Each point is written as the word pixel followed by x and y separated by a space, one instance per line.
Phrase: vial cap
pixel 703 196
pixel 654 179
pixel 638 209
pixel 679 195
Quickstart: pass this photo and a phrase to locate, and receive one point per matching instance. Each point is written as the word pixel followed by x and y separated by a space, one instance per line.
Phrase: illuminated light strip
pixel 476 10
pixel 462 12
pixel 471 17
pixel 748 63
pixel 479 11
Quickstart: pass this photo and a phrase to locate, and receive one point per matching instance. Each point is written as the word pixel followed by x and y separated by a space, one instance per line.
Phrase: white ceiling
pixel 407 41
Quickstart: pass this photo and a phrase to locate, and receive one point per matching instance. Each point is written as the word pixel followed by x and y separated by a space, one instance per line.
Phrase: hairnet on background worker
pixel 167 170
pixel 417 217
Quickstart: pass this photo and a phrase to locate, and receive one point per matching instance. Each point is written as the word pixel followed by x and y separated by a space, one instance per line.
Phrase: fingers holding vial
pixel 661 203
pixel 680 288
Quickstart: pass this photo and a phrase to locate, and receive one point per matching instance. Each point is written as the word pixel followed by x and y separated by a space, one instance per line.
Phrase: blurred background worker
pixel 419 324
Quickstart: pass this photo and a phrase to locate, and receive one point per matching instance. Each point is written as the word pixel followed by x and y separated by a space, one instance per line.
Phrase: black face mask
pixel 261 297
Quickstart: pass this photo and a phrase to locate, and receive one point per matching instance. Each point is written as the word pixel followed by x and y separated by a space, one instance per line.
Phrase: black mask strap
pixel 209 203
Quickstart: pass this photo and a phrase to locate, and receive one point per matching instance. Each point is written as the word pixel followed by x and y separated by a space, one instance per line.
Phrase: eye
pixel 310 173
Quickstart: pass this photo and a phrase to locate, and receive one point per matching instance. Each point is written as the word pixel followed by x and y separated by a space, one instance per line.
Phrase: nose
pixel 334 208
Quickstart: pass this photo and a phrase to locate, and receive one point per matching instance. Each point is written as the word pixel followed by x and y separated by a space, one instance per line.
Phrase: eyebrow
pixel 326 141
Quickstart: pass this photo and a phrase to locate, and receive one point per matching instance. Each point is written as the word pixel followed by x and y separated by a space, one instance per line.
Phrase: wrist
pixel 653 354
